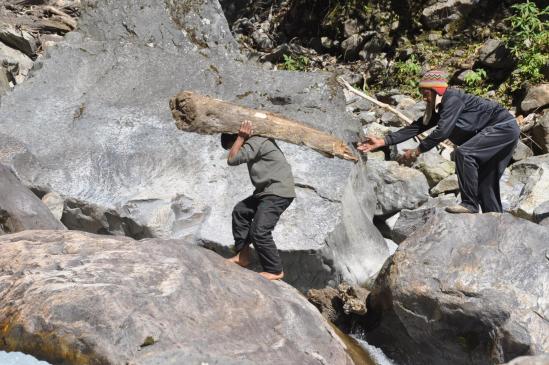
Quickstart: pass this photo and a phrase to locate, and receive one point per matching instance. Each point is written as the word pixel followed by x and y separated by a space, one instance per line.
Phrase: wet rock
pixel 342 306
pixel 537 97
pixel 150 300
pixel 18 38
pixel 20 209
pixel 396 187
pixel 494 54
pixel 434 167
pixel 450 294
pixel 409 221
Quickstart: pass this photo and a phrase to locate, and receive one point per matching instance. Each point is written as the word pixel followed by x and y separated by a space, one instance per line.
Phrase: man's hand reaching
pixel 371 144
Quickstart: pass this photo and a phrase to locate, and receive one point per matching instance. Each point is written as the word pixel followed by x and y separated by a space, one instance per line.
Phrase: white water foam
pixel 375 353
pixel 18 358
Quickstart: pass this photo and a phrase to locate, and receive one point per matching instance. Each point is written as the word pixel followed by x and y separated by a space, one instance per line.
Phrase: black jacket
pixel 460 117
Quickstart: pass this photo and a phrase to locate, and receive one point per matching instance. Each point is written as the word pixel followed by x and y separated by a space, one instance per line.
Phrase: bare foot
pixel 242 258
pixel 269 276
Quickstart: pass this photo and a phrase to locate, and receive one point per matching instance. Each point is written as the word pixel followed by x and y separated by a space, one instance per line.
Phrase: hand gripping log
pixel 201 114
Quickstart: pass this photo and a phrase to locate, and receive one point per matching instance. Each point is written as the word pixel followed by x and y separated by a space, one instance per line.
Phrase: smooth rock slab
pixel 465 289
pixel 70 297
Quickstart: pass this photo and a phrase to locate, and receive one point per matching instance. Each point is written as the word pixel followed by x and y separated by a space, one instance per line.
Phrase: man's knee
pixel 260 234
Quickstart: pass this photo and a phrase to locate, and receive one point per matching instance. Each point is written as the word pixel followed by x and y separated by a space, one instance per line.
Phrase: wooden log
pixel 202 114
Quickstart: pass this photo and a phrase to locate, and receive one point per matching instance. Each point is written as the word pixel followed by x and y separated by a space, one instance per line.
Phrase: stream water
pixel 360 351
pixel 17 358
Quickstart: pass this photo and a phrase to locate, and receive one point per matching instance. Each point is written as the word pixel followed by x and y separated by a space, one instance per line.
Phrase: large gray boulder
pixel 465 289
pixel 396 187
pixel 94 126
pixel 20 209
pixel 71 297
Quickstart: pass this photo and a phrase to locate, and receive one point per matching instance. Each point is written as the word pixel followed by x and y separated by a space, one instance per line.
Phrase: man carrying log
pixel 255 217
pixel 485 132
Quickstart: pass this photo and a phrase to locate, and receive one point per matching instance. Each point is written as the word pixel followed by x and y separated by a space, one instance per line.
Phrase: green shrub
pixel 475 82
pixel 299 63
pixel 529 42
pixel 407 74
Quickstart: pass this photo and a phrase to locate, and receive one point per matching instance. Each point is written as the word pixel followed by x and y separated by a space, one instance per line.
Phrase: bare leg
pixel 270 276
pixel 242 258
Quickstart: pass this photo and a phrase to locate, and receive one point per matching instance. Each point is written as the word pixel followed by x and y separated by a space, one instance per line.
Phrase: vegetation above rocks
pixel 491 48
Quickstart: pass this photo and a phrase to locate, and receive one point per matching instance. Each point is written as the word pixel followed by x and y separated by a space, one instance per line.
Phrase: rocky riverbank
pixel 86 131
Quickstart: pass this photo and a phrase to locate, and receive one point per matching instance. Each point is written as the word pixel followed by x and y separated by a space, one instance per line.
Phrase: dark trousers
pixel 254 219
pixel 480 163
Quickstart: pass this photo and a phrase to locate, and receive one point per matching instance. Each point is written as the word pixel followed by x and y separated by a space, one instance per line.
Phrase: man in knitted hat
pixel 484 132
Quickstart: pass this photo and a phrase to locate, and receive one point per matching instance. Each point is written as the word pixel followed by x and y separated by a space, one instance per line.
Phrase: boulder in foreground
pixel 465 289
pixel 76 298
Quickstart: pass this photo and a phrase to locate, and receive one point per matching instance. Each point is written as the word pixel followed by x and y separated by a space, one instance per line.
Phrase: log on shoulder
pixel 197 113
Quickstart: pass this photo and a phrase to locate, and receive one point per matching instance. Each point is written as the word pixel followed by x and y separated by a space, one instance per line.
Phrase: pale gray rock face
pixel 20 209
pixel 533 174
pixel 536 98
pixel 93 124
pixel 17 62
pixel 530 360
pixel 77 297
pixel 447 185
pixel 396 187
pixel 522 152
pixel 465 289
pixel 434 167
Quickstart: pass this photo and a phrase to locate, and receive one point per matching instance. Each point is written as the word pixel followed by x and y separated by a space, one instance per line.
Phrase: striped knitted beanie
pixel 436 80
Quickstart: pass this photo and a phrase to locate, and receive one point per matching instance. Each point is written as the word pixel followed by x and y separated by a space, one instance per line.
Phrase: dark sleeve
pixel 407 132
pixel 248 152
pixel 448 116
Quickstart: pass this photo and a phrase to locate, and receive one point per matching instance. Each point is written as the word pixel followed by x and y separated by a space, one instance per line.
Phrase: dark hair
pixel 227 140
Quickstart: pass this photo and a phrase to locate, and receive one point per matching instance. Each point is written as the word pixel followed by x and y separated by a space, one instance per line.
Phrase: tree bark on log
pixel 202 114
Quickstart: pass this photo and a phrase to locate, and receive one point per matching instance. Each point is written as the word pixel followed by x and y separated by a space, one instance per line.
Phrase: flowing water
pixel 360 351
pixel 17 358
